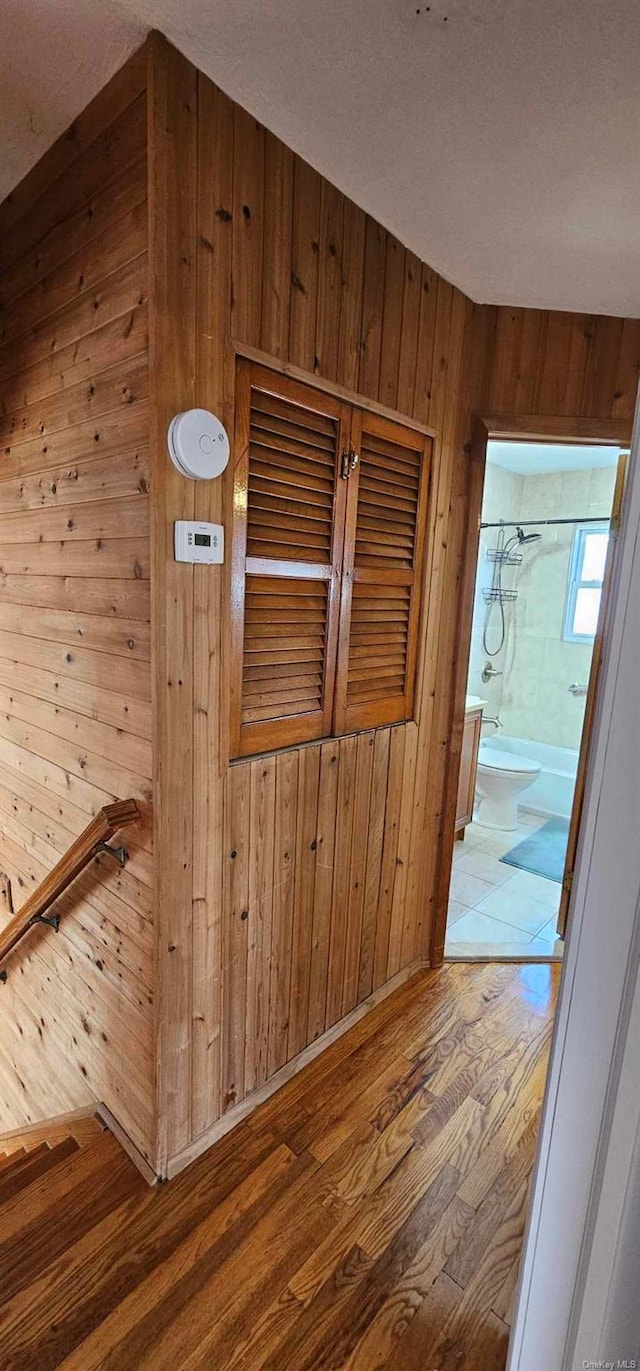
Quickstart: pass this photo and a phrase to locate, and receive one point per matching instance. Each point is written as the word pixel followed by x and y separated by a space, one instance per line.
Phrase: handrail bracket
pixel 120 853
pixel 104 825
pixel 53 922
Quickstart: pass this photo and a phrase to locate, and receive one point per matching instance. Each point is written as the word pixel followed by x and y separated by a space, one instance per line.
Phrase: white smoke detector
pixel 198 444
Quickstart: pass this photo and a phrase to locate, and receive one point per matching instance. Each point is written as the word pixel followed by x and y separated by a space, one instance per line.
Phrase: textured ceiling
pixel 54 57
pixel 500 139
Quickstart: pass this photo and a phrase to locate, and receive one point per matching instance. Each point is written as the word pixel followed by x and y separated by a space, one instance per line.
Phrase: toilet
pixel 500 780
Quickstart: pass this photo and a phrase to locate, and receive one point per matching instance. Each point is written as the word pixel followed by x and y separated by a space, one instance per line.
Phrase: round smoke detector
pixel 198 444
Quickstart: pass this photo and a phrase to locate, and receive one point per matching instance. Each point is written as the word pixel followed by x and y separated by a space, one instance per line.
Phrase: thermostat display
pixel 195 542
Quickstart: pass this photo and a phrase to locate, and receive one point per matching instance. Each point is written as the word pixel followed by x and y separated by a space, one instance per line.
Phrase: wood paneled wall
pixel 255 251
pixel 284 889
pixel 575 366
pixel 316 844
pixel 537 373
pixel 75 646
pixel 263 257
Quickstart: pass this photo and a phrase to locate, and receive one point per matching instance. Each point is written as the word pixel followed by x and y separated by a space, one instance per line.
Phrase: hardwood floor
pixel 369 1215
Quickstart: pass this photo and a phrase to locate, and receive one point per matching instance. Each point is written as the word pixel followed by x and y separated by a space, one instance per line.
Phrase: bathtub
pixel 552 791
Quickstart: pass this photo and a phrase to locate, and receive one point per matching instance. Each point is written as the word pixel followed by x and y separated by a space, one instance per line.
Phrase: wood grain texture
pixel 290 271
pixel 173 158
pixel 577 366
pixel 114 660
pixel 286 264
pixel 327 566
pixel 75 612
pixel 107 822
pixel 370 1214
pixel 525 373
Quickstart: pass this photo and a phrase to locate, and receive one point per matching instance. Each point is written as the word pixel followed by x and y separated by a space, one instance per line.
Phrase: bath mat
pixel 544 852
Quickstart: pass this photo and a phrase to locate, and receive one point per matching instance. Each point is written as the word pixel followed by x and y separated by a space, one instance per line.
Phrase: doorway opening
pixel 542 563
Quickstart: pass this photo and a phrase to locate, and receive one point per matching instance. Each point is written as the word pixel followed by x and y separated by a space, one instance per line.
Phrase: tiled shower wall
pixel 532 695
pixel 502 499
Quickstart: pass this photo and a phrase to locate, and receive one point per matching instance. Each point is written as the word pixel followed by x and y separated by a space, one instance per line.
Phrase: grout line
pixel 504 923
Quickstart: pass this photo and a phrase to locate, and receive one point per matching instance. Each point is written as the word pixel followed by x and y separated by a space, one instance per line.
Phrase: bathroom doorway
pixel 542 559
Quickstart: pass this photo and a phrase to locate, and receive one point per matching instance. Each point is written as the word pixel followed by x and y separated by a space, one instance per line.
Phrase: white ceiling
pixel 534 459
pixel 500 139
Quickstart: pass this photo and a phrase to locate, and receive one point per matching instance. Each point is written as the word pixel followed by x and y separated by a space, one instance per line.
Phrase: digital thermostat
pixel 198 444
pixel 195 542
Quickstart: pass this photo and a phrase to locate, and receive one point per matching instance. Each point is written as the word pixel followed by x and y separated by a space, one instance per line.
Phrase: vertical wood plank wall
pixel 277 922
pixel 544 371
pixel 292 891
pixel 75 713
pixel 576 366
pixel 314 908
pixel 166 229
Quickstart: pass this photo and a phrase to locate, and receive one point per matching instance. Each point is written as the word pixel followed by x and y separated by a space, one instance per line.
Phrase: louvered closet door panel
pixel 289 508
pixel 384 557
pixel 285 629
pixel 292 477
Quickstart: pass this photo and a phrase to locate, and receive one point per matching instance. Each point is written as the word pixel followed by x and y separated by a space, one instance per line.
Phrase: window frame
pixel 576 582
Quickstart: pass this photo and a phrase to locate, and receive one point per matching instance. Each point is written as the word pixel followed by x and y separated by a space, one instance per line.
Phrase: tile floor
pixel 497 910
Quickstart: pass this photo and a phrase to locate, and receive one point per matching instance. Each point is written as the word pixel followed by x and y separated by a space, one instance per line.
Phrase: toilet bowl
pixel 500 780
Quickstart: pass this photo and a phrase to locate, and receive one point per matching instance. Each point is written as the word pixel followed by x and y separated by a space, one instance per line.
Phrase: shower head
pixel 527 537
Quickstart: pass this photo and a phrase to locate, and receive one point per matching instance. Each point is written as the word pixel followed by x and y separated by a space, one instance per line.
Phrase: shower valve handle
pixel 488 671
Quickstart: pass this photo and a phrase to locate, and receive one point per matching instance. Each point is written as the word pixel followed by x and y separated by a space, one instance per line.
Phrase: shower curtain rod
pixel 528 523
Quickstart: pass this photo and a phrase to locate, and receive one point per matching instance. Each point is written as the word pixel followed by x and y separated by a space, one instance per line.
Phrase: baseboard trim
pixel 309 1054
pixel 126 1144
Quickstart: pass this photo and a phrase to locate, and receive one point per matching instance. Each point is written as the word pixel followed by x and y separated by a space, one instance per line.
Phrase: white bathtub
pixel 552 791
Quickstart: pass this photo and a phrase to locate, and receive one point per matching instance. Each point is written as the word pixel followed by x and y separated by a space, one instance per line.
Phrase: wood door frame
pixel 477 465
pixel 244 351
pixel 486 426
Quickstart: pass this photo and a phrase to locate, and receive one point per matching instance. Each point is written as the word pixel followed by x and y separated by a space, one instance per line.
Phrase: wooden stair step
pixel 38 1237
pixel 82 1124
pixel 16 1163
pixel 21 1175
pixel 8 1158
pixel 52 1189
pixel 29 1145
pixel 87 1130
pixel 21 1143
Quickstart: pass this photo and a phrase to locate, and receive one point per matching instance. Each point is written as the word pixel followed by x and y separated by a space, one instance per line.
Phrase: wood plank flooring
pixel 369 1215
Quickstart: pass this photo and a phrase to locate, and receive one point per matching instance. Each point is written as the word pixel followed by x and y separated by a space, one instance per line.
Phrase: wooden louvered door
pixel 289 510
pixel 388 492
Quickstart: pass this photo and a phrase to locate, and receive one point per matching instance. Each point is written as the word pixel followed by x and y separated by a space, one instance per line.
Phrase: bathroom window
pixel 586 573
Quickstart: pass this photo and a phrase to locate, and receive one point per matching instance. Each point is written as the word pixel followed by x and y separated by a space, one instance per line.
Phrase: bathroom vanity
pixel 468 762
